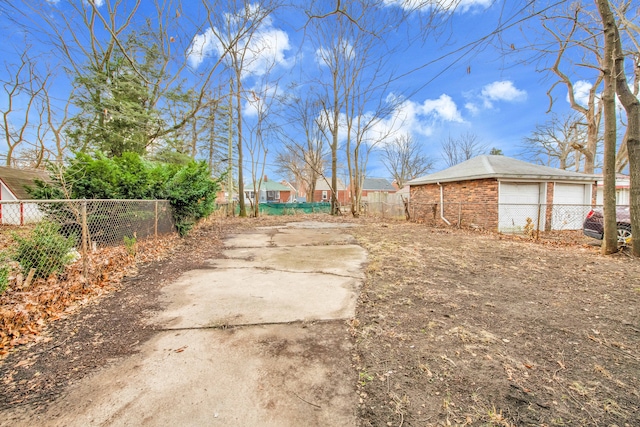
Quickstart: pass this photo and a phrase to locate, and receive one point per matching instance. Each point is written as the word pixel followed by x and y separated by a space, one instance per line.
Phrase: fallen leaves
pixel 24 313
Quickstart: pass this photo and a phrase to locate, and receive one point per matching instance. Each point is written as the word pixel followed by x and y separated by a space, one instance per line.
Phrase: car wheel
pixel 624 233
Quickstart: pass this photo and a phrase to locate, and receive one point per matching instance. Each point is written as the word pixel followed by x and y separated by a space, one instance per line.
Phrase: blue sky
pixel 446 91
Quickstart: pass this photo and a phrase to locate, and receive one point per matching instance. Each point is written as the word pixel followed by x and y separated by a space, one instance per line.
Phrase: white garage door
pixel 519 201
pixel 570 205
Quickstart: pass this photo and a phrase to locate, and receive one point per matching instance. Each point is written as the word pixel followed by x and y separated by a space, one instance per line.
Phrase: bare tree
pixel 263 101
pixel 22 89
pixel 302 154
pixel 366 105
pixel 628 26
pixel 235 32
pixel 465 147
pixel 572 30
pixel 553 142
pixel 353 84
pixel 331 34
pixel 87 35
pixel 404 159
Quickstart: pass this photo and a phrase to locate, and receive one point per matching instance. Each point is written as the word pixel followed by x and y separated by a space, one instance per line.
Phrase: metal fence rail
pixel 40 237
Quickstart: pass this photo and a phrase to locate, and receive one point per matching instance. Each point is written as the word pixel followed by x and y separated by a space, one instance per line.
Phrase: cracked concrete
pixel 258 339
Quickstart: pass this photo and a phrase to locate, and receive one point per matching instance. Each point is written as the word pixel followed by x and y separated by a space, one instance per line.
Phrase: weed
pixel 130 244
pixel 4 278
pixel 364 377
pixel 496 418
pixel 579 388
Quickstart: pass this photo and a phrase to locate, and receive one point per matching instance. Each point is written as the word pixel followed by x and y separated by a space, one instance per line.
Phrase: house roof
pixel 500 167
pixel 17 179
pixel 377 184
pixel 321 184
pixel 268 186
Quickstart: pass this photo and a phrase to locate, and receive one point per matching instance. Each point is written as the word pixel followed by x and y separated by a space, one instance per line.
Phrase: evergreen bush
pixel 45 250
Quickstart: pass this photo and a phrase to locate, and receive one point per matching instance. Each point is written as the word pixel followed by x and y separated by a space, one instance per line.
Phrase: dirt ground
pixel 452 328
pixel 461 328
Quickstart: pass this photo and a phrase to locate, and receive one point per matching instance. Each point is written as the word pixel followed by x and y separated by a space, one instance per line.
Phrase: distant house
pixel 623 190
pixel 504 194
pixel 270 192
pixel 376 189
pixel 13 183
pixel 323 191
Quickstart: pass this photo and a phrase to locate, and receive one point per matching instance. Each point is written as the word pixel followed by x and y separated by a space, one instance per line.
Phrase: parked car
pixel 594 224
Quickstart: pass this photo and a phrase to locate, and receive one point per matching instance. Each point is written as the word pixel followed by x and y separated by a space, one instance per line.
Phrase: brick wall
pixel 342 196
pixel 466 203
pixel 549 207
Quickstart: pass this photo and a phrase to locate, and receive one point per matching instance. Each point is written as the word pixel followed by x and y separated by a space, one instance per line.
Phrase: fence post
pixel 21 214
pixel 155 226
pixel 85 243
pixel 538 222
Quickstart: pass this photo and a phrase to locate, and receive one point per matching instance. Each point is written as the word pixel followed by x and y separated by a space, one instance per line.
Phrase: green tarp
pixel 293 208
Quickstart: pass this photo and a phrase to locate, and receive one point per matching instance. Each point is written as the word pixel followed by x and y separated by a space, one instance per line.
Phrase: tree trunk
pixel 610 238
pixel 632 107
pixel 243 208
pixel 335 207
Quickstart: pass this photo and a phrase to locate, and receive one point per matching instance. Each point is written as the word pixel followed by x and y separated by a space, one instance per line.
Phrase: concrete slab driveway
pixel 257 339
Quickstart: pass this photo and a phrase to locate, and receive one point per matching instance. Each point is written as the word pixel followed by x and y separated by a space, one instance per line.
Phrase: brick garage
pixel 499 193
pixel 475 201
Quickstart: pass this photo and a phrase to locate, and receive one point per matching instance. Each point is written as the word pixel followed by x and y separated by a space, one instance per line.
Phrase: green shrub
pixel 192 194
pixel 188 187
pixel 45 250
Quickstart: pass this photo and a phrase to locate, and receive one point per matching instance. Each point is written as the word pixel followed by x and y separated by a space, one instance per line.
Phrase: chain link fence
pixel 385 209
pixel 39 238
pixel 536 221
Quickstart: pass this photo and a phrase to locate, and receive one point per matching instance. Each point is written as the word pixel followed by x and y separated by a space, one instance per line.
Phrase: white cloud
pixel 326 56
pixel 202 46
pixel 407 117
pixel 264 50
pixel 473 108
pixel 581 90
pixel 419 119
pixel 443 5
pixel 98 3
pixel 442 108
pixel 498 91
pixel 502 91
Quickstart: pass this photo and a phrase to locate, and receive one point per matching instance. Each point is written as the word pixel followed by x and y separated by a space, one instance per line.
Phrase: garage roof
pixel 377 184
pixel 17 179
pixel 500 167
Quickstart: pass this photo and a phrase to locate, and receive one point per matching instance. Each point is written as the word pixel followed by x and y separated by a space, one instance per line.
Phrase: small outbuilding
pixel 377 190
pixel 504 194
pixel 13 183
